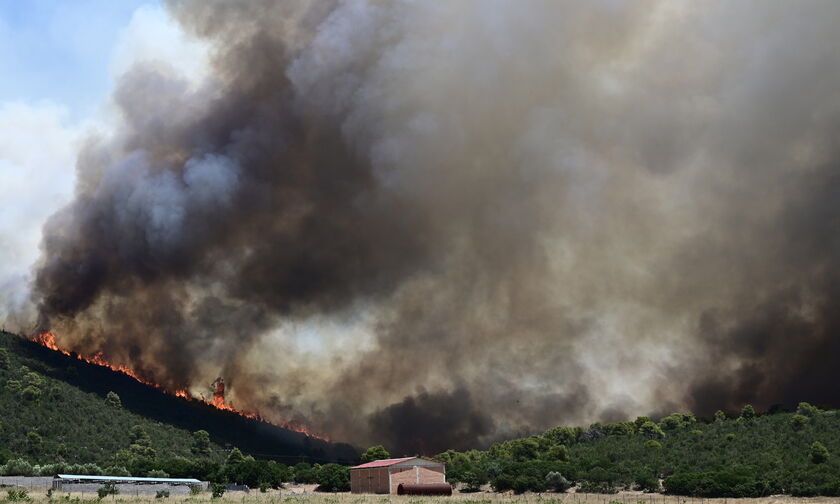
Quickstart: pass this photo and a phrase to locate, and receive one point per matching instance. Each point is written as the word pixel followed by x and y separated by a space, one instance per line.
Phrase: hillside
pixel 794 453
pixel 55 407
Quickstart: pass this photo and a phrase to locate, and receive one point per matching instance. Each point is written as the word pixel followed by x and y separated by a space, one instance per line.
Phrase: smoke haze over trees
pixel 435 224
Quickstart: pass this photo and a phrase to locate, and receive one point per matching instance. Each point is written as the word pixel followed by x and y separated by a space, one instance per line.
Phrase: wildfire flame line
pixel 47 340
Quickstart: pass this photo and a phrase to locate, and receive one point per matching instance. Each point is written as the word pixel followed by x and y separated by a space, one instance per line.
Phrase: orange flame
pixel 48 340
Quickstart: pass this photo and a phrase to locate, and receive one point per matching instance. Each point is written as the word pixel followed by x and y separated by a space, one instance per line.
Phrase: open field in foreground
pixel 304 495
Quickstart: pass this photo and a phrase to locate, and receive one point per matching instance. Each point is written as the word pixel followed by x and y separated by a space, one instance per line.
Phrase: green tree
pixel 140 444
pixel 333 478
pixel 235 456
pixel 200 442
pixel 30 393
pixel 5 361
pixel 377 452
pixel 672 422
pixel 651 431
pixel 113 399
pixel 720 416
pixel 558 452
pixel 799 421
pixel 819 453
pixel 560 436
pixel 748 412
pixel 806 409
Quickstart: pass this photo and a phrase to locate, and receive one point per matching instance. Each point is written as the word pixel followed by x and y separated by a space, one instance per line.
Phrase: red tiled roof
pixel 382 463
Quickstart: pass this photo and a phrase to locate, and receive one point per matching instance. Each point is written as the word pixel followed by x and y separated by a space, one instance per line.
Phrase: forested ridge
pixel 59 408
pixel 737 455
pixel 64 415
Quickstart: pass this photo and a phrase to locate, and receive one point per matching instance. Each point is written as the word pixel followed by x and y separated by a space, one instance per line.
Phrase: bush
pixel 653 444
pixel 117 471
pixel 195 489
pixel 305 473
pixel 720 416
pixel 18 495
pixel 819 453
pixel 18 467
pixel 647 482
pixel 525 482
pixel 333 478
pixel 807 410
pixel 218 490
pixel 555 481
pixel 107 489
pixel 748 412
pixel 651 431
pixel 473 480
pixel 157 473
pixel 799 421
pixel 113 399
pixel 162 494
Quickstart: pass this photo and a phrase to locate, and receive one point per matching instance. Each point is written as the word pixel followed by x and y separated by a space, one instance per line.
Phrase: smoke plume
pixel 436 224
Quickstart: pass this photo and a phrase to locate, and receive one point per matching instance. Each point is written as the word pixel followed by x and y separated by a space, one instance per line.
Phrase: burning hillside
pixel 437 224
pixel 217 400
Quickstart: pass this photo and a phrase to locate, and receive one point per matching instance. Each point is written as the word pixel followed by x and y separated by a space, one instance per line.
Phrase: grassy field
pixel 298 494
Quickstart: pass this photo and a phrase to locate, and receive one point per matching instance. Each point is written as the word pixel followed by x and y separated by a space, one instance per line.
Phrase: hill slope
pixel 54 407
pixel 751 455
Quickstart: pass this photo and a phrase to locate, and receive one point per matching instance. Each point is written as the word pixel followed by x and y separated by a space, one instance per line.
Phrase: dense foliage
pixel 48 421
pixel 50 426
pixel 794 453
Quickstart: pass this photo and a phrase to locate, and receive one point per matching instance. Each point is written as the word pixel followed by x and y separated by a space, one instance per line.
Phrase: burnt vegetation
pixel 60 409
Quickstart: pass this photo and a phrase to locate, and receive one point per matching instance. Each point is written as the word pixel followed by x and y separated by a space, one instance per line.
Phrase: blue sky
pixel 60 51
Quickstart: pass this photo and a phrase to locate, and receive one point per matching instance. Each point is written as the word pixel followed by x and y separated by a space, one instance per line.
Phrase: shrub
pixel 806 409
pixel 113 399
pixel 30 393
pixel 305 473
pixel 555 481
pixel 18 467
pixel 107 489
pixel 117 471
pixel 651 431
pixel 333 478
pixel 672 422
pixel 195 489
pixel 720 416
pixel 748 412
pixel 18 495
pixel 799 421
pixel 218 489
pixel 473 480
pixel 558 452
pixel 162 494
pixel 525 482
pixel 263 487
pixel 647 482
pixel 819 453
pixel 653 444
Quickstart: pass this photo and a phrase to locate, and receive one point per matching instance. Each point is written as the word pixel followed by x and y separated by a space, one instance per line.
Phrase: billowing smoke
pixel 435 224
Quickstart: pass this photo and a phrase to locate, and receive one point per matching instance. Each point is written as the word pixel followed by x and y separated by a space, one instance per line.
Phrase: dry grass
pixel 305 495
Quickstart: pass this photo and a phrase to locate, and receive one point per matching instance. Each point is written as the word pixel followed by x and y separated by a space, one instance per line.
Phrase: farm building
pixel 385 476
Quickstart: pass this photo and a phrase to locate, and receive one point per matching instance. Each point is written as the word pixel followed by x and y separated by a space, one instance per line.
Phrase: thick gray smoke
pixel 435 224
